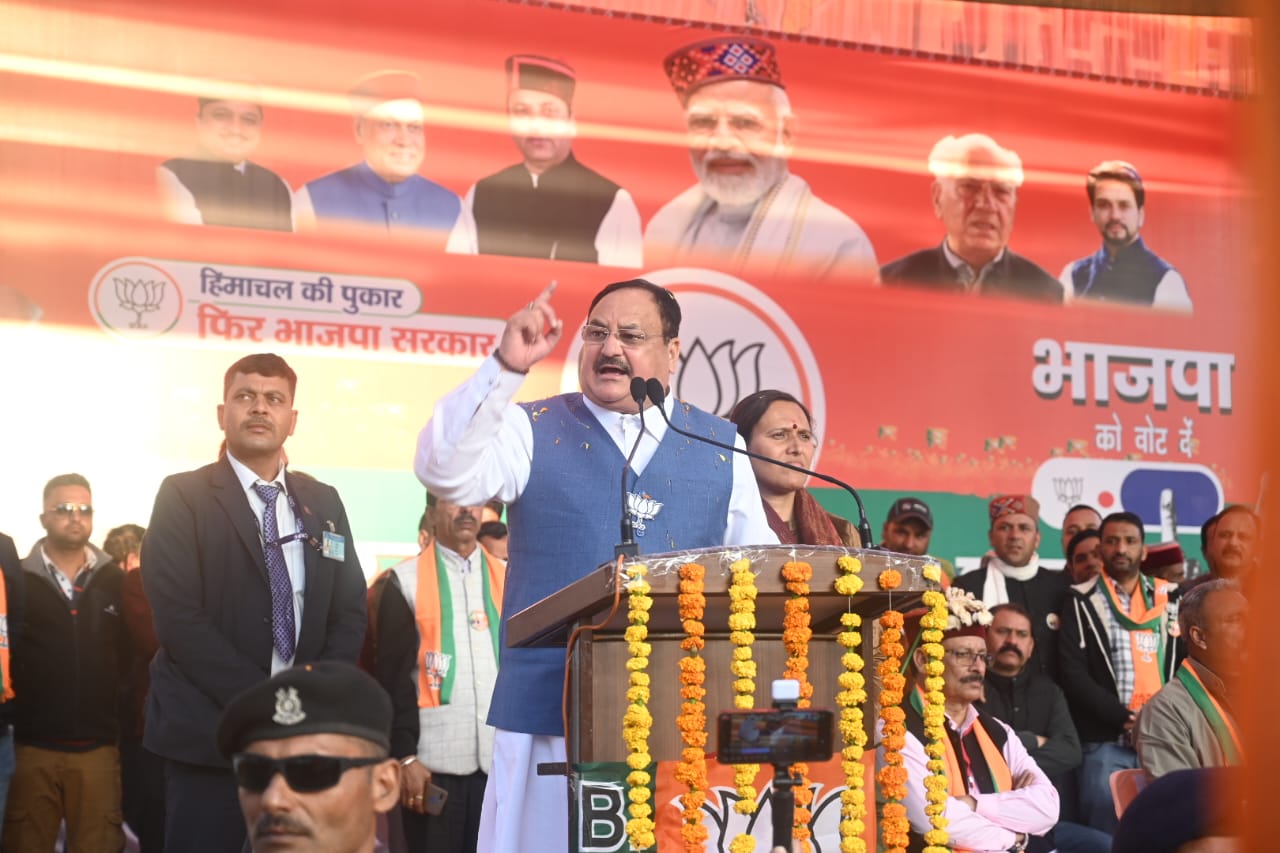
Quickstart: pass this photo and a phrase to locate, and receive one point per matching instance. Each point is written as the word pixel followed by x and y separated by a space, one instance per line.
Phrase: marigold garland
pixel 742 622
pixel 852 693
pixel 936 784
pixel 849 581
pixel 795 639
pixel 692 719
pixel 637 722
pixel 893 776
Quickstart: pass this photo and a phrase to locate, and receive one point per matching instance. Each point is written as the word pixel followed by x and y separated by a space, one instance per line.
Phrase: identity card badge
pixel 333 546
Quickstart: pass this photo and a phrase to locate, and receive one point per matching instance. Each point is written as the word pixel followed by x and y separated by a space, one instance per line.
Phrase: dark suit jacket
pixel 206 579
pixel 1013 275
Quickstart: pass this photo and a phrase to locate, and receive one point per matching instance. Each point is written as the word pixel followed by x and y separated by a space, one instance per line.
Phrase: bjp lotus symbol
pixel 139 296
pixel 715 379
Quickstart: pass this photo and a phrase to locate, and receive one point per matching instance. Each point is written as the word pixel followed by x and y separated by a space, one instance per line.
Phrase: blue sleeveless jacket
pixel 358 195
pixel 566 523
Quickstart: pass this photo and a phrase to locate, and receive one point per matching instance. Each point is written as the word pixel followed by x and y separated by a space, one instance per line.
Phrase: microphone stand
pixel 628 547
pixel 657 395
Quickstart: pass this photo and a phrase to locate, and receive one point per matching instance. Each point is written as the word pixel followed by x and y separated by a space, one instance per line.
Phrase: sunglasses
pixel 305 774
pixel 70 509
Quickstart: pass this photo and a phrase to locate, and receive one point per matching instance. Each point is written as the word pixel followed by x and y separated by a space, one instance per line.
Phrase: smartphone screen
pixel 774 737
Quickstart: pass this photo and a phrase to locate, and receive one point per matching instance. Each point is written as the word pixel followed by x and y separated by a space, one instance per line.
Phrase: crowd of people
pixel 212 652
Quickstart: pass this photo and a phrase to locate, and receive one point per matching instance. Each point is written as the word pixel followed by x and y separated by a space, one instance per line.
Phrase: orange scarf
pixel 1144 622
pixel 6 681
pixel 433 612
pixel 1000 776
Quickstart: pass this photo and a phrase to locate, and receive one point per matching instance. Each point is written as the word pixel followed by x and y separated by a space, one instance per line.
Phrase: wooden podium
pixel 597 667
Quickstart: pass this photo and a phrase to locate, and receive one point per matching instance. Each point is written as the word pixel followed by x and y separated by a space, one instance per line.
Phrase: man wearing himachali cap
pixel 998 796
pixel 549 205
pixel 384 190
pixel 747 210
pixel 1013 573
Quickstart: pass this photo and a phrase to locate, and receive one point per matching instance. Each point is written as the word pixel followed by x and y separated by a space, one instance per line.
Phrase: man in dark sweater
pixel 66 669
pixel 1036 709
pixel 549 205
pixel 975 194
pixel 219 186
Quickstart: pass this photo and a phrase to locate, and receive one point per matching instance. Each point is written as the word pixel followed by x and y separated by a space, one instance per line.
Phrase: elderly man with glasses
pixel 310 751
pixel 975 195
pixel 67 659
pixel 999 799
pixel 558 464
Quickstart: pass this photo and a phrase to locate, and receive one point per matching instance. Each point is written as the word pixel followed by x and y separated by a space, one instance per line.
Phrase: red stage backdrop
pixel 913 390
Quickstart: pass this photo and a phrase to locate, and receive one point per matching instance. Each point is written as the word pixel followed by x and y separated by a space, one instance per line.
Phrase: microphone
pixel 657 394
pixel 628 546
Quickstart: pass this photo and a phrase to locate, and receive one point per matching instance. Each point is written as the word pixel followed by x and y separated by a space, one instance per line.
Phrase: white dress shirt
pixel 294 559
pixel 478 446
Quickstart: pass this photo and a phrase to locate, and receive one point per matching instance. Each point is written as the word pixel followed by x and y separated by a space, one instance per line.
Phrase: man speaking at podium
pixel 558 464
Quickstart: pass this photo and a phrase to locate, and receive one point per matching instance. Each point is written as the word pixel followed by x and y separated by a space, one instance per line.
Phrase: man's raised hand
pixel 531 333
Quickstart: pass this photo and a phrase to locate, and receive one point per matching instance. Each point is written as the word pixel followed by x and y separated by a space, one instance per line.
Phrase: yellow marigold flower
pixel 848 584
pixel 639 761
pixel 639 795
pixel 640 679
pixel 741 638
pixel 741 621
pixel 852 661
pixel 742 844
pixel 932 572
pixel 849 563
pixel 744 701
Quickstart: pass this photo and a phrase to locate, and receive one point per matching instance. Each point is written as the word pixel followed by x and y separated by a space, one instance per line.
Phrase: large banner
pixel 184 184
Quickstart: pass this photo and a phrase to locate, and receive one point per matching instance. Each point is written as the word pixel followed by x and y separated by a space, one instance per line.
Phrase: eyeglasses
pixel 969 189
pixel 964 657
pixel 305 774
pixel 629 338
pixel 71 509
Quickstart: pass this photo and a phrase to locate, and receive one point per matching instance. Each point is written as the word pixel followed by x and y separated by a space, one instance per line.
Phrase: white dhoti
pixel 523 811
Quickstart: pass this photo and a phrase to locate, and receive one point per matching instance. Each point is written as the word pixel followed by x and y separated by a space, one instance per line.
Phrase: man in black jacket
pixel 1013 573
pixel 1035 708
pixel 66 667
pixel 250 568
pixel 1118 648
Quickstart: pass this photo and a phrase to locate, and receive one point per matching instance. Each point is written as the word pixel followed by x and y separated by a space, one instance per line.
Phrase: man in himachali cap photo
pixel 548 205
pixel 747 210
